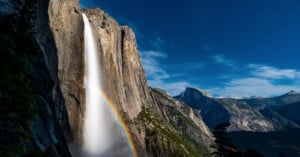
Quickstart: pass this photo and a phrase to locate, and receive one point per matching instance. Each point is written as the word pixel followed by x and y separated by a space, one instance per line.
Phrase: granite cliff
pixel 66 24
pixel 125 84
pixel 42 96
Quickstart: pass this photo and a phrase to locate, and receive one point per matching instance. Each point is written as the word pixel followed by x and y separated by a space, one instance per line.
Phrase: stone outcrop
pixel 66 24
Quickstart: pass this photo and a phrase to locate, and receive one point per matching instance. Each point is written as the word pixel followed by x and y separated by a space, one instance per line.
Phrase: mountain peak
pixel 197 90
pixel 292 92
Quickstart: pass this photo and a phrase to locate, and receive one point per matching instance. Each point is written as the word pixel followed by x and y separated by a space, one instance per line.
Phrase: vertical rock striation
pixel 124 78
pixel 67 27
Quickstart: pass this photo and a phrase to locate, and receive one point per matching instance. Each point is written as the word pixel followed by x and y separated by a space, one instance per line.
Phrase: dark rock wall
pixel 33 112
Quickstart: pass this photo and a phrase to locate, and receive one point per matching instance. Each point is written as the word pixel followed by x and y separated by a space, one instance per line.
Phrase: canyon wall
pixel 42 94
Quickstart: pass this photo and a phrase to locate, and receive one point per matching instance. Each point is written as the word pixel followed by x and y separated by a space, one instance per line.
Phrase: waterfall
pixel 103 134
pixel 95 134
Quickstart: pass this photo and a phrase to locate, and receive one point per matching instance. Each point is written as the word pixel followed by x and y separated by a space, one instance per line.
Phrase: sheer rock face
pixel 56 72
pixel 123 75
pixel 66 25
pixel 45 73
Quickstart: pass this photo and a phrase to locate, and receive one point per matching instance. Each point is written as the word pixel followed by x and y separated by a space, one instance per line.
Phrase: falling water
pixel 102 134
pixel 95 135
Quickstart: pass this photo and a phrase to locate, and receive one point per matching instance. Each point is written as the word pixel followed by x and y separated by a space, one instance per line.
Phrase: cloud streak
pixel 272 72
pixel 261 80
pixel 246 87
pixel 150 61
pixel 258 79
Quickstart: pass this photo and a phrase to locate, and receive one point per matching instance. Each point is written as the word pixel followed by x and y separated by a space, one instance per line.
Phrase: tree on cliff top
pixel 224 146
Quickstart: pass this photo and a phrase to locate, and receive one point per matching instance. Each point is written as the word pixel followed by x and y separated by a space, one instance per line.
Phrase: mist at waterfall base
pixel 103 136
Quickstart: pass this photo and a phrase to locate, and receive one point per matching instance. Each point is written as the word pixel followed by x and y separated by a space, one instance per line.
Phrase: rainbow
pixel 122 123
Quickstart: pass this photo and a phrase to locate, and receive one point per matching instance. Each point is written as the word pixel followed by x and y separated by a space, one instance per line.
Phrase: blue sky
pixel 226 47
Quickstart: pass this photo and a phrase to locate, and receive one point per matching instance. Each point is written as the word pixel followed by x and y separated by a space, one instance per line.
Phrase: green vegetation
pixel 198 147
pixel 181 117
pixel 174 112
pixel 162 138
pixel 176 133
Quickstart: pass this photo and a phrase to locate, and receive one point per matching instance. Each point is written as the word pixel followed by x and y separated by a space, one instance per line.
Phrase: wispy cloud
pixel 153 54
pixel 157 75
pixel 261 80
pixel 220 59
pixel 272 72
pixel 245 87
pixel 150 61
pixel 158 43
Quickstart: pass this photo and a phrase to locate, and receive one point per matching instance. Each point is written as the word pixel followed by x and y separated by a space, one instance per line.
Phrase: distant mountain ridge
pixel 251 114
pixel 287 105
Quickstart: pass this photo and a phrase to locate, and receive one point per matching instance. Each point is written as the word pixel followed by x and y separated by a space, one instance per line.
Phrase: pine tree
pixel 224 146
